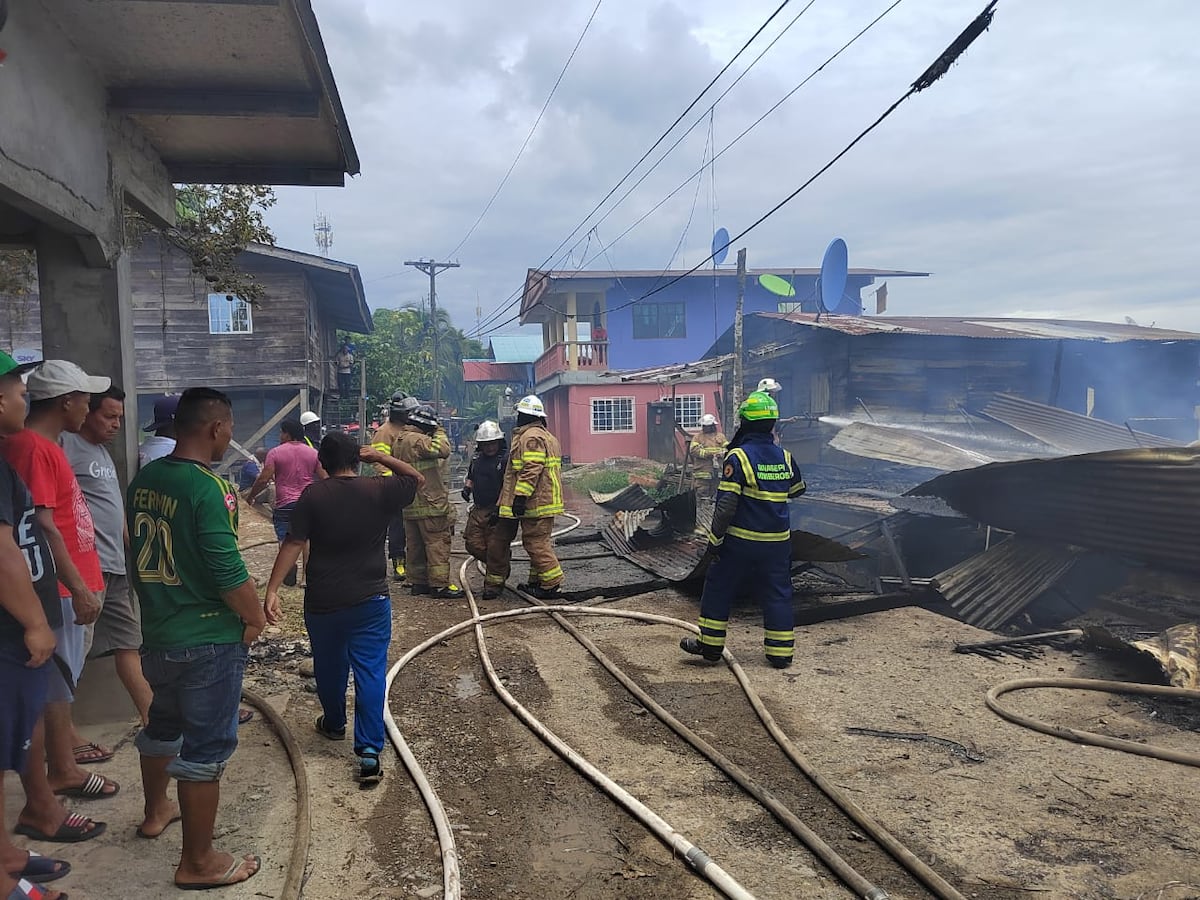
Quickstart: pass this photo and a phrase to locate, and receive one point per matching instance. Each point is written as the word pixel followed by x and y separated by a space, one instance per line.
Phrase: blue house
pixel 594 322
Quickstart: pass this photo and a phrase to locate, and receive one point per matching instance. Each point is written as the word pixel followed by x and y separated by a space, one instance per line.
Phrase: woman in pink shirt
pixel 293 466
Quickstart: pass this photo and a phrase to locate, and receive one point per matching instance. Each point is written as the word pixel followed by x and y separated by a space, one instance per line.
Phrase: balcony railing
pixel 572 356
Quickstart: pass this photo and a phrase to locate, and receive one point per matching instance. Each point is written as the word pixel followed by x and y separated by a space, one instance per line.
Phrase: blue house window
pixel 659 320
pixel 229 314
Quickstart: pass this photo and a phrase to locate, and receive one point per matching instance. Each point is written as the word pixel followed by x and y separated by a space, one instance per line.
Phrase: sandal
pixel 42 869
pixel 94 788
pixel 73 830
pixel 244 715
pixel 89 753
pixel 226 879
pixel 25 890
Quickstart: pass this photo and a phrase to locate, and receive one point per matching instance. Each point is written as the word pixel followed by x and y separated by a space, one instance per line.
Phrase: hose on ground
pixel 1089 737
pixel 293 881
pixel 809 838
pixel 695 857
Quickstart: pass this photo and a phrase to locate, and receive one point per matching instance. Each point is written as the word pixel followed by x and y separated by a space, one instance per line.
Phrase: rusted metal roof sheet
pixel 1068 431
pixel 1028 329
pixel 907 447
pixel 1143 504
pixel 629 498
pixel 991 587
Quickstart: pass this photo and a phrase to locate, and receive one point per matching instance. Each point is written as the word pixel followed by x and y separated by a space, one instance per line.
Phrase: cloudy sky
pixel 1051 173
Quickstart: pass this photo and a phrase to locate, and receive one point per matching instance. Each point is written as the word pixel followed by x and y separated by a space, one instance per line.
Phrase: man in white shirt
pixel 162 442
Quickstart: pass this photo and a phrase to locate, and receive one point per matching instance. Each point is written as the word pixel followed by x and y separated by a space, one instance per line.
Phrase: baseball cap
pixel 164 412
pixel 9 366
pixel 57 377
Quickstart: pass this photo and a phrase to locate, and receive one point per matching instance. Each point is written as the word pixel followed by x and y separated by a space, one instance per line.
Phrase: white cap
pixel 58 377
pixel 307 418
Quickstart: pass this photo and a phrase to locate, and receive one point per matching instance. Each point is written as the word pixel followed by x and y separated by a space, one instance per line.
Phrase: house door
pixel 818 394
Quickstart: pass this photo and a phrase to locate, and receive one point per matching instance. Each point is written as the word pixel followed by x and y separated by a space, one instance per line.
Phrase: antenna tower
pixel 323 233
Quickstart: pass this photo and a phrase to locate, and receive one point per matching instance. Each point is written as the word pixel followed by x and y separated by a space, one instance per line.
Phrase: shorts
pixel 73 641
pixel 194 714
pixel 281 518
pixel 120 624
pixel 21 704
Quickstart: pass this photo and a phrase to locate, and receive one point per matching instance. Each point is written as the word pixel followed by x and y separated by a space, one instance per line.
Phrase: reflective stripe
pixel 494 579
pixel 778 651
pixel 715 540
pixel 747 470
pixel 534 456
pixel 556 572
pixel 709 641
pixel 789 635
pixel 523 489
pixel 714 624
pixel 732 486
pixel 797 489
pixel 517 464
pixel 746 534
pixel 770 496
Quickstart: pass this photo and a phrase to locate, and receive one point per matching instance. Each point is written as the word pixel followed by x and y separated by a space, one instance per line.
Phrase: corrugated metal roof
pixel 484 370
pixel 727 272
pixel 977 327
pixel 1068 431
pixel 1143 504
pixel 906 447
pixel 991 587
pixel 516 348
pixel 629 498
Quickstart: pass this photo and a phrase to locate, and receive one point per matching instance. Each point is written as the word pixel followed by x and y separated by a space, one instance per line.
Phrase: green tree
pixel 399 356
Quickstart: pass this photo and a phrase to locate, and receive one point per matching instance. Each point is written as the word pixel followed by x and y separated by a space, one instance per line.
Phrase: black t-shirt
pixel 17 512
pixel 345 520
pixel 486 474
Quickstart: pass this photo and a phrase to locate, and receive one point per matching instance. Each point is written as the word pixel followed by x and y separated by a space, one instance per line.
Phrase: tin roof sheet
pixel 984 327
pixel 1068 431
pixel 516 348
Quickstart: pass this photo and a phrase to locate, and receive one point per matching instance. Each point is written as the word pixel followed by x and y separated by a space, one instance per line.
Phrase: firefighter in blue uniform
pixel 751 535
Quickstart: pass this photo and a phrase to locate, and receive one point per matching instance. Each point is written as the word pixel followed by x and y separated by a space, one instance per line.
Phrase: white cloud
pixel 1052 169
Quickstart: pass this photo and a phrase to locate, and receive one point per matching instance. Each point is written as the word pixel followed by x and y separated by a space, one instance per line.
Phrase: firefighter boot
pixel 398 572
pixel 544 593
pixel 450 592
pixel 693 646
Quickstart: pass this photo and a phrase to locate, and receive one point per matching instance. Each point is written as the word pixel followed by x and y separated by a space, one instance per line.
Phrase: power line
pixel 529 136
pixel 930 76
pixel 507 303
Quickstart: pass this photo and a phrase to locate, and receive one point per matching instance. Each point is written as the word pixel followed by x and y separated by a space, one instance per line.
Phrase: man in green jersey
pixel 200 613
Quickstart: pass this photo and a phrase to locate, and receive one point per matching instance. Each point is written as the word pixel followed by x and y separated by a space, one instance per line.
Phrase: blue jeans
pixel 281 518
pixel 353 638
pixel 193 716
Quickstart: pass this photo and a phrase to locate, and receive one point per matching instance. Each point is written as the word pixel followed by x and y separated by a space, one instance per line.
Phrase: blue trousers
pixel 353 638
pixel 762 568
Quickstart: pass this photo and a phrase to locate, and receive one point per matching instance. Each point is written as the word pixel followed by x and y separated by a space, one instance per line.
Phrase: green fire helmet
pixel 758 407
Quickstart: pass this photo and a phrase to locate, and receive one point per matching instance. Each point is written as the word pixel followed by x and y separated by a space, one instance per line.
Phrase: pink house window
pixel 612 414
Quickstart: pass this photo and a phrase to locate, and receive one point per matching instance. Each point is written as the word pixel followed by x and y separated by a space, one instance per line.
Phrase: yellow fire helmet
pixel 758 407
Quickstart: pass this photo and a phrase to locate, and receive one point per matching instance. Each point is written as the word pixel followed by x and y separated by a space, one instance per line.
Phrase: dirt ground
pixel 1036 817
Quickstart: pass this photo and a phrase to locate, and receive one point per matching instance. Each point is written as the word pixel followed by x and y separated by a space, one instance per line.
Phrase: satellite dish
pixel 833 275
pixel 777 285
pixel 720 246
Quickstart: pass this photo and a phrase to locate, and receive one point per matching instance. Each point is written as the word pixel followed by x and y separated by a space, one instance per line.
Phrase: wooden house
pixel 274 357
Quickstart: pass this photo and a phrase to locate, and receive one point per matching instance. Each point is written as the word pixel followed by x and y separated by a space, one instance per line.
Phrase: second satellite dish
pixel 720 246
pixel 834 269
pixel 776 285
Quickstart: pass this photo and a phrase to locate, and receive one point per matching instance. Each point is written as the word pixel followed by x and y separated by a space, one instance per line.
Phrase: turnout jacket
pixel 485 477
pixel 757 481
pixel 384 440
pixel 704 449
pixel 534 464
pixel 427 453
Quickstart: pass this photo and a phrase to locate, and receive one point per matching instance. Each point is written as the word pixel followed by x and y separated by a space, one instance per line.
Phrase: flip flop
pixel 73 830
pixel 245 715
pixel 89 753
pixel 153 837
pixel 27 891
pixel 92 789
pixel 225 879
pixel 43 869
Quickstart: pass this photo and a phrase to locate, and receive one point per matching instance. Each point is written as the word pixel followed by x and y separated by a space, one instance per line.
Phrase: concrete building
pixel 107 105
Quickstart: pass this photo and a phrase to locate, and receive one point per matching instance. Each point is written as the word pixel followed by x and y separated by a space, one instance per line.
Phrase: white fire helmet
pixel 308 418
pixel 531 405
pixel 708 419
pixel 770 386
pixel 488 431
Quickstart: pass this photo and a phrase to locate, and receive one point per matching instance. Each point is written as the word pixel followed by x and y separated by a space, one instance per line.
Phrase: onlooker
pixel 346 606
pixel 200 613
pixel 29 608
pixel 485 475
pixel 59 392
pixel 118 631
pixel 251 469
pixel 423 444
pixel 162 441
pixel 293 466
pixel 344 362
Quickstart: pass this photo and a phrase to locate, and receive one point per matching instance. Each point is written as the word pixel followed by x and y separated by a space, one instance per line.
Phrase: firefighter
pixel 530 496
pixel 485 475
pixel 769 386
pixel 751 535
pixel 384 440
pixel 423 444
pixel 707 451
pixel 312 428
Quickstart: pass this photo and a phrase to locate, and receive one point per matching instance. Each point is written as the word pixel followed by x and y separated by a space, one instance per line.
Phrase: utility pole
pixel 738 344
pixel 431 268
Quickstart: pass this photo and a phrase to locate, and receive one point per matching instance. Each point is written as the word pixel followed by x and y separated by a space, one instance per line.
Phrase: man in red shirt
pixel 59 392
